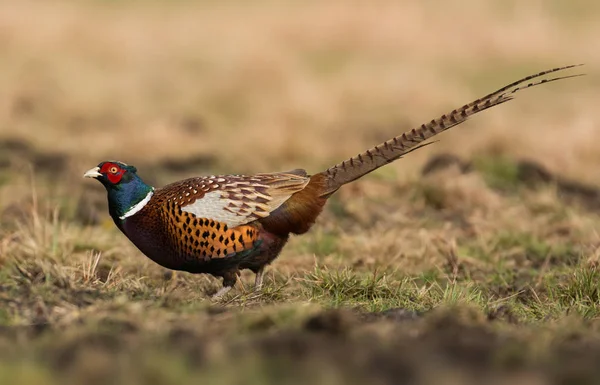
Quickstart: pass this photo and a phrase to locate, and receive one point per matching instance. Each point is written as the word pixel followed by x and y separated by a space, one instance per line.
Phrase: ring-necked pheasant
pixel 222 224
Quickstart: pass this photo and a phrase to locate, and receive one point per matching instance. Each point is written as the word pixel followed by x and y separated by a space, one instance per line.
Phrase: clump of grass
pixel 500 173
pixel 346 286
pixel 455 294
pixel 529 243
pixel 520 245
pixel 380 291
pixel 579 292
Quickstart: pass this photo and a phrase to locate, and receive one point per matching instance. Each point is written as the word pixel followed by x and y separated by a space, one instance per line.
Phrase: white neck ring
pixel 138 206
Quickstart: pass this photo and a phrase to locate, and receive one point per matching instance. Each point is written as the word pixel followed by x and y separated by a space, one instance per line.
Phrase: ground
pixel 472 260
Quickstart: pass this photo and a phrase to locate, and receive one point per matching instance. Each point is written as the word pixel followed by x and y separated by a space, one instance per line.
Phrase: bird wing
pixel 234 200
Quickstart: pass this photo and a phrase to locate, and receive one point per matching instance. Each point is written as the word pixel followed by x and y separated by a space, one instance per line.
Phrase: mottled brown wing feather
pixel 234 199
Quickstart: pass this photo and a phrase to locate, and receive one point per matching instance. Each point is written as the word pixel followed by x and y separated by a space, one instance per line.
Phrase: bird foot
pixel 224 290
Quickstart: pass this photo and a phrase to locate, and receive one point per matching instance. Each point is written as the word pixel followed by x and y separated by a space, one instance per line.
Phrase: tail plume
pixel 387 152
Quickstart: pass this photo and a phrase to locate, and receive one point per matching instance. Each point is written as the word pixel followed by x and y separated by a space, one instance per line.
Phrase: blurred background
pixel 241 88
pixel 185 88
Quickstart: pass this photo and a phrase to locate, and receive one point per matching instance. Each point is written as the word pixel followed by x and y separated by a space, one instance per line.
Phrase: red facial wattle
pixel 113 172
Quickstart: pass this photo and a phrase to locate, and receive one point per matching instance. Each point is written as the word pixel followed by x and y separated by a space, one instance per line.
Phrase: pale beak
pixel 93 173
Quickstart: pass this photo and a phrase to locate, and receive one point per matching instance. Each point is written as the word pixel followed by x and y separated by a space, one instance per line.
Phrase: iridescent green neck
pixel 127 198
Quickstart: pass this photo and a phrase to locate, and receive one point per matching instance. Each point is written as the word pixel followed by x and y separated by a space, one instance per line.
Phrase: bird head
pixel 112 173
pixel 125 189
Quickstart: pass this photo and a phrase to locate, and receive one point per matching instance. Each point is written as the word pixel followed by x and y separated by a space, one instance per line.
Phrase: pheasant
pixel 223 224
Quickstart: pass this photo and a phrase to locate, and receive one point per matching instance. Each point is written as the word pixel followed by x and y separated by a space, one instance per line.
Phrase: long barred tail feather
pixel 351 169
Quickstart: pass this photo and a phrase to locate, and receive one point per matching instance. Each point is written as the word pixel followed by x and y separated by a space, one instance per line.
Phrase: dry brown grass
pixel 189 88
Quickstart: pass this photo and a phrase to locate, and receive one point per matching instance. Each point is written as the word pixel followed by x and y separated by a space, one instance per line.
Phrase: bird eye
pixel 113 170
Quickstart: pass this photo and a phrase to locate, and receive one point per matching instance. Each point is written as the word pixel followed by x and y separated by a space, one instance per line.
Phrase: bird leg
pixel 229 280
pixel 258 280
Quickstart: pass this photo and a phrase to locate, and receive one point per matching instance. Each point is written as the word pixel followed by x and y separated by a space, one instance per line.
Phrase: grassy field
pixel 474 259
